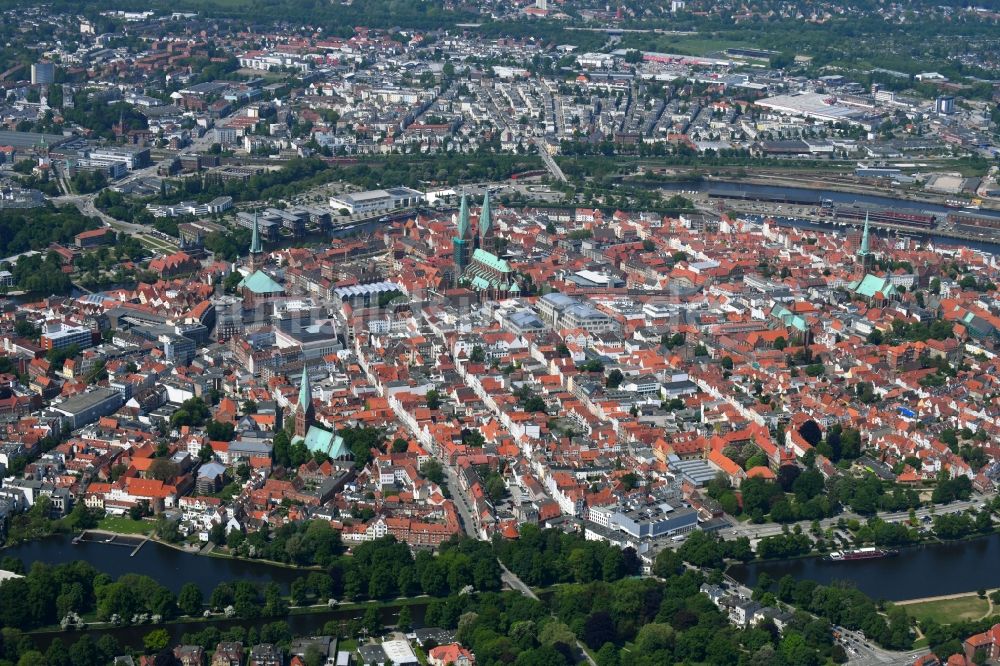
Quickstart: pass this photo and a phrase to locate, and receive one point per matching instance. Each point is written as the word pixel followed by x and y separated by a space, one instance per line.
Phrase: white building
pixel 377 201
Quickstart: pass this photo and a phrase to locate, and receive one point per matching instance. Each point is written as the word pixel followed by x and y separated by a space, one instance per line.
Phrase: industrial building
pixel 85 408
pixel 377 201
pixel 815 106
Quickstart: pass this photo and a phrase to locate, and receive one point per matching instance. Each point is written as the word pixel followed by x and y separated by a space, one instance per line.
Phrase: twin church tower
pixel 465 243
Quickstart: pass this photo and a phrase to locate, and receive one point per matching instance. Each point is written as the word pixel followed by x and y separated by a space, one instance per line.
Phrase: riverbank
pixel 270 563
pixel 202 550
pixel 949 608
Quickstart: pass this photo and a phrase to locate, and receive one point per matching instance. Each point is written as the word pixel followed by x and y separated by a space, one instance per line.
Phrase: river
pixel 921 571
pixel 169 566
pixel 173 568
pixel 812 196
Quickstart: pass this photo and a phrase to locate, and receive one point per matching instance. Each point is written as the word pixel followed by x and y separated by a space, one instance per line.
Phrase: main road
pixel 760 531
pixel 550 163
pixel 85 204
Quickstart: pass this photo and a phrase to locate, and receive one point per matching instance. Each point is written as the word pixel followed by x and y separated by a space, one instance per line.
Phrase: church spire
pixel 304 412
pixel 485 221
pixel 305 391
pixel 463 217
pixel 460 242
pixel 865 242
pixel 865 250
pixel 255 245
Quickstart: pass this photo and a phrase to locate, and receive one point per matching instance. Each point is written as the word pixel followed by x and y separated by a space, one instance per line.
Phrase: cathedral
pixel 474 251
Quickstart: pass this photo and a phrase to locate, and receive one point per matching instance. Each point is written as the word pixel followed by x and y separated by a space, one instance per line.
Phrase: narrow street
pixel 465 512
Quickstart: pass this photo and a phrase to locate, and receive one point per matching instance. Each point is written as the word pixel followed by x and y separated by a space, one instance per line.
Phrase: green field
pixel 124 525
pixel 947 611
pixel 696 45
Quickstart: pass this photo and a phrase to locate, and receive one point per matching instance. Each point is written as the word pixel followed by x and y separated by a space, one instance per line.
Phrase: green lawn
pixel 948 611
pixel 697 45
pixel 124 525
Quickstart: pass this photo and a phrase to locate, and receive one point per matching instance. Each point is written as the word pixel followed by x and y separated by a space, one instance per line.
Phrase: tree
pixel 190 599
pixel 399 445
pixel 433 471
pixel 162 469
pixel 274 602
pixel 156 640
pixel 727 362
pixel 667 564
pixel 167 528
pixel 477 355
pixel 220 432
pixel 811 432
pixel 433 399
pixel 556 632
pixel 405 620
pixel 217 534
pixel 615 378
pixel 371 621
pixel 206 453
pixel 314 656
pixel 139 510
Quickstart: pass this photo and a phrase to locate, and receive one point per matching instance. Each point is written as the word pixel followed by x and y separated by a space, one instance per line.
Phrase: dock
pixel 141 544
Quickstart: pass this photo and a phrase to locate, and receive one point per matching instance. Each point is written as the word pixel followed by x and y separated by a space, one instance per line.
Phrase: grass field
pixel 124 525
pixel 696 45
pixel 156 244
pixel 947 611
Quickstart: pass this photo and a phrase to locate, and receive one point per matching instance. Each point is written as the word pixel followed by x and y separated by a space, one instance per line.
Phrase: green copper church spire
pixel 463 218
pixel 484 215
pixel 305 391
pixel 865 248
pixel 255 244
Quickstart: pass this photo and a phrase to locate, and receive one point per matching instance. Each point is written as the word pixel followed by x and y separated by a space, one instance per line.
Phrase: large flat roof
pixel 30 139
pixel 810 105
pixel 84 401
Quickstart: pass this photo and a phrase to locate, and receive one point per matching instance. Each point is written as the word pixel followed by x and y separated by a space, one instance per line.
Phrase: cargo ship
pixel 869 553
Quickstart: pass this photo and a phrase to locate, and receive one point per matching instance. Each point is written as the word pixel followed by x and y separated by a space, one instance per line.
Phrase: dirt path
pixel 943 597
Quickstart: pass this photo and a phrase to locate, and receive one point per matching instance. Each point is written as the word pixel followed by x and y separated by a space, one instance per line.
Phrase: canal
pixel 921 571
pixel 300 624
